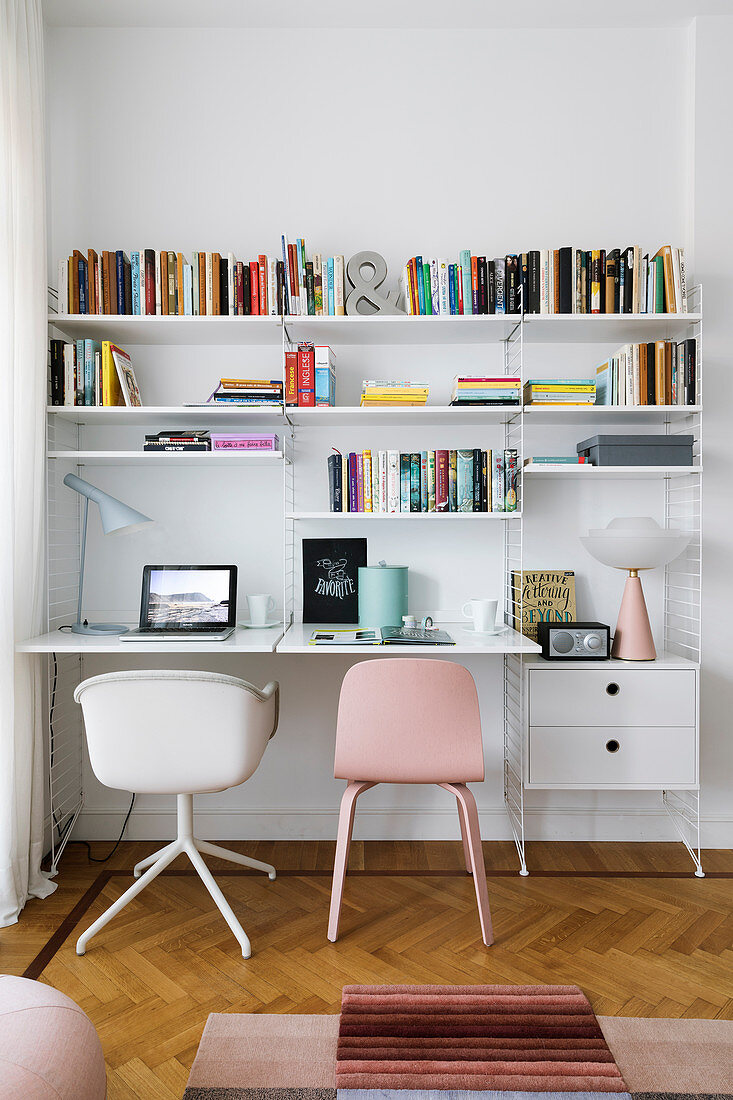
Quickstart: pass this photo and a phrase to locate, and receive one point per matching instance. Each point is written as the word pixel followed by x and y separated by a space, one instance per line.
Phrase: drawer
pixel 612 696
pixel 608 756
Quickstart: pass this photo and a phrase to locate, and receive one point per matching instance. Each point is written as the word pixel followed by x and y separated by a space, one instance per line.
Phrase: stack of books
pixel 253 392
pixel 555 462
pixel 423 481
pixel 468 390
pixel 560 391
pixel 382 392
pixel 659 373
pixel 178 441
pixel 560 280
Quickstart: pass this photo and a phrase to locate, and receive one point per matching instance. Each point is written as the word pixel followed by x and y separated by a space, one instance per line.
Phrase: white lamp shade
pixel 635 542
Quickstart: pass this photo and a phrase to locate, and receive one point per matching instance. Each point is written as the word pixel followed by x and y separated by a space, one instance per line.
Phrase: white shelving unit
pixel 682 489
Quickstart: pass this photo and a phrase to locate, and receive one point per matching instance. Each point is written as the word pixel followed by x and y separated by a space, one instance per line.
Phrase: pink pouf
pixel 48 1046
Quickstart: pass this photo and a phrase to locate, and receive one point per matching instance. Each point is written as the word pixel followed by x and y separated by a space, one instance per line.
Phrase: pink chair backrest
pixel 406 720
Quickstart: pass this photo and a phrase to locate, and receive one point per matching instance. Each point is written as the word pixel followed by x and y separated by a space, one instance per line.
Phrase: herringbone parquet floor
pixel 637 943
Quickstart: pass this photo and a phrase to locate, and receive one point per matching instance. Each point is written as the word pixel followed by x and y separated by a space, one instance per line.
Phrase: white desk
pixel 297 638
pixel 63 641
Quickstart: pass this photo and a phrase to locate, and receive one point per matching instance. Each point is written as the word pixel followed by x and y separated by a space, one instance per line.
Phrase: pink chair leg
pixel 468 804
pixel 464 838
pixel 343 843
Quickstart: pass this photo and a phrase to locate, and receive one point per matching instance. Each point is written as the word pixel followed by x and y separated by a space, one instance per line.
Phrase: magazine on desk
pixel 386 635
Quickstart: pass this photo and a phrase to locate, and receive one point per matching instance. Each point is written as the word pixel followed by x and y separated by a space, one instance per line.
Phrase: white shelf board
pixel 401 329
pixel 584 328
pixel 63 641
pixel 130 330
pixel 618 473
pixel 168 458
pixel 428 415
pixel 298 635
pixel 210 416
pixel 614 414
pixel 663 660
pixel 431 517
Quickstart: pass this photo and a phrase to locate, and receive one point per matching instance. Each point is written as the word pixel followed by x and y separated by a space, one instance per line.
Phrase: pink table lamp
pixel 634 543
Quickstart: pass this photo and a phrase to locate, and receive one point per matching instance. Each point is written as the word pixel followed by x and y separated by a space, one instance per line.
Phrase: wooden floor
pixel 638 941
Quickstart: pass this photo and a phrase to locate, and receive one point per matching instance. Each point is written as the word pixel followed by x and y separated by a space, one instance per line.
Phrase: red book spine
pixel 240 288
pixel 413 287
pixel 202 284
pixel 291 378
pixel 254 283
pixel 306 375
pixel 149 282
pixel 441 481
pixel 459 281
pixel 263 283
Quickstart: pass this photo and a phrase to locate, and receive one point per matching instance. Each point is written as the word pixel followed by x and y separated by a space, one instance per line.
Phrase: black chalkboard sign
pixel 330 579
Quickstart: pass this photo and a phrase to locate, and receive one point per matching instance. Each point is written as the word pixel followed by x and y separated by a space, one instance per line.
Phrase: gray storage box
pixel 637 450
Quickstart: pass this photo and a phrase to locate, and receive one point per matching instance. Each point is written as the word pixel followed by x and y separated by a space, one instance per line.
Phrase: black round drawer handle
pixel 612 689
pixel 612 746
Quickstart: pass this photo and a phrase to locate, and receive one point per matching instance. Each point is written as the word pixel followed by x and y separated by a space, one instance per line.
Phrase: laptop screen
pixel 199 596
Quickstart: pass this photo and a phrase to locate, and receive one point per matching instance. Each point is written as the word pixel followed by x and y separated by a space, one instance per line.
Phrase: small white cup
pixel 259 607
pixel 483 613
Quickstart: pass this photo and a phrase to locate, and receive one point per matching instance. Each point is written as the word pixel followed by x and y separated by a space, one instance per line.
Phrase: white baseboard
pixel 581 823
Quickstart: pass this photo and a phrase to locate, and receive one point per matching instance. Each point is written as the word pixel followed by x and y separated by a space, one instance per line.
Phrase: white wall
pixel 402 142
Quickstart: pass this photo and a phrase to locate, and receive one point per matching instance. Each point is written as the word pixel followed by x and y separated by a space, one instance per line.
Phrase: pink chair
pixel 405 720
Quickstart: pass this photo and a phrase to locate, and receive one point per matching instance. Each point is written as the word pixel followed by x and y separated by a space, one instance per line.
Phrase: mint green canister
pixel 382 595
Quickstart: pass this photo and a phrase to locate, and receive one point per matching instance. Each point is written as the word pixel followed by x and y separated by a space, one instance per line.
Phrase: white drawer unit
pixel 617 726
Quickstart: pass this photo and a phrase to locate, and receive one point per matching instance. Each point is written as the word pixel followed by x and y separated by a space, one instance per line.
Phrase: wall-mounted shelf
pixel 584 328
pixel 431 517
pixel 402 329
pixel 130 330
pixel 168 458
pixel 378 329
pixel 209 416
pixel 610 414
pixel 443 416
pixel 619 473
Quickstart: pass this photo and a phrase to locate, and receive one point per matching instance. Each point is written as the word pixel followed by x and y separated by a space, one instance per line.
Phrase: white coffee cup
pixel 259 607
pixel 483 613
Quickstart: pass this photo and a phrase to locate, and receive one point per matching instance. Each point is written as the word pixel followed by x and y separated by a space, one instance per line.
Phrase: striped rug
pixel 487 1038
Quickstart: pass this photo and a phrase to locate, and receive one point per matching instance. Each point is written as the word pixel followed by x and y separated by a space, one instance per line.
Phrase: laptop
pixel 186 603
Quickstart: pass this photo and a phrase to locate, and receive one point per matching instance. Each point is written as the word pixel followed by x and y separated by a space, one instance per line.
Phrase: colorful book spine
pixel 497 481
pixel 464 481
pixel 441 481
pixel 431 481
pixel 405 464
pixel 393 481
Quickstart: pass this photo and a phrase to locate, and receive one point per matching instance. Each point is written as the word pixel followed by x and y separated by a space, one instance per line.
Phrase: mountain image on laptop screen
pixel 206 601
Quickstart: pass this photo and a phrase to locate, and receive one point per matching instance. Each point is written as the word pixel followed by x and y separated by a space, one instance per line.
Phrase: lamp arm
pixel 82 556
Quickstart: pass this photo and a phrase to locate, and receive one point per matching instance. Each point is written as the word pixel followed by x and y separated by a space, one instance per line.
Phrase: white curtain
pixel 23 339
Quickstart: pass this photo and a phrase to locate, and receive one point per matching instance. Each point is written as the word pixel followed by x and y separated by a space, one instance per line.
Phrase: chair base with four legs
pixel 470 833
pixel 184 844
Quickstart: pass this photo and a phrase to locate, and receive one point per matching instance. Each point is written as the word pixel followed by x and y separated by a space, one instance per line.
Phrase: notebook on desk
pixel 186 603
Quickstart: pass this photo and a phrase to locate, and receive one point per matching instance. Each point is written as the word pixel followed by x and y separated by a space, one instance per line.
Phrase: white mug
pixel 483 613
pixel 259 606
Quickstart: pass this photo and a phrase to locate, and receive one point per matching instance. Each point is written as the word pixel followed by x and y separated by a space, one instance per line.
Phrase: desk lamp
pixel 116 517
pixel 634 543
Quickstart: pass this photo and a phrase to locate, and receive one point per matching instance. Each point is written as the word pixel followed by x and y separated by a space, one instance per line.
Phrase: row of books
pixel 380 392
pixel 560 391
pixel 85 372
pixel 560 280
pixel 191 441
pixel 469 390
pixel 149 282
pixel 423 481
pixel 660 373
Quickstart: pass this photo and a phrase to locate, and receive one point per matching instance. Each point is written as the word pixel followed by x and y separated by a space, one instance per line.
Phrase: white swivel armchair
pixel 182 733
